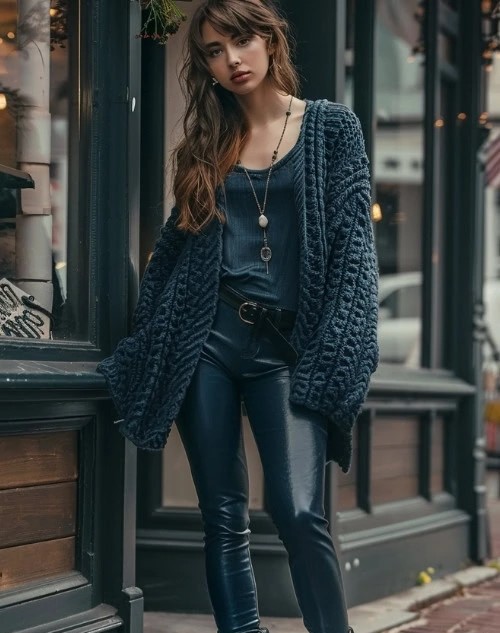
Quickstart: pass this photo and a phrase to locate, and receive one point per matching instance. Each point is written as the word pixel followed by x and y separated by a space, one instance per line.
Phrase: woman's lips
pixel 241 77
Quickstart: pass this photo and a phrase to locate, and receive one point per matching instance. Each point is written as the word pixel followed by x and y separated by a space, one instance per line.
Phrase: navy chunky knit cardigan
pixel 335 333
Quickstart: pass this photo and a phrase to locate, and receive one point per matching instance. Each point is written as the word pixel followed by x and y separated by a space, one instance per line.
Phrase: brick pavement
pixel 476 609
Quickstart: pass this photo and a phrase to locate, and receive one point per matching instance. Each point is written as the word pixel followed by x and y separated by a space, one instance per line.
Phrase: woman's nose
pixel 233 58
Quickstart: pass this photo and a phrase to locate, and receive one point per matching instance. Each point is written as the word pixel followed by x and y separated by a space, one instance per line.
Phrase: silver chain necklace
pixel 266 252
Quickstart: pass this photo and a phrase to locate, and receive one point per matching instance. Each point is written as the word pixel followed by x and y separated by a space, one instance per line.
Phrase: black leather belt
pixel 262 318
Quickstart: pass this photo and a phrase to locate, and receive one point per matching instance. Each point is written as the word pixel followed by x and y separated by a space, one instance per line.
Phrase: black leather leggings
pixel 292 445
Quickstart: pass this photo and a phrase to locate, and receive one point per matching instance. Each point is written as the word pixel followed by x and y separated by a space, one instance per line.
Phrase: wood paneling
pixel 347 497
pixel 437 456
pixel 37 513
pixel 395 432
pixel 38 459
pixel 26 563
pixel 347 482
pixel 38 505
pixel 178 490
pixel 395 459
pixel 394 489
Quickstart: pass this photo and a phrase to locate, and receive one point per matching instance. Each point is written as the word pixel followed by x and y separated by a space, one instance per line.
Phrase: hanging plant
pixel 58 23
pixel 162 19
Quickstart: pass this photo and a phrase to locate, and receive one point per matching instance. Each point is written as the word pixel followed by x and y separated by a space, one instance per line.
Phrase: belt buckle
pixel 246 303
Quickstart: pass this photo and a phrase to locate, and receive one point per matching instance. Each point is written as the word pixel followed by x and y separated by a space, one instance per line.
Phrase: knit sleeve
pixel 333 375
pixel 165 255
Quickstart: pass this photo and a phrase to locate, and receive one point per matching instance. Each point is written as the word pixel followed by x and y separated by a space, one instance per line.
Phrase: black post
pixel 152 164
pixel 468 303
pixel 364 74
pixel 431 197
pixel 121 88
pixel 316 27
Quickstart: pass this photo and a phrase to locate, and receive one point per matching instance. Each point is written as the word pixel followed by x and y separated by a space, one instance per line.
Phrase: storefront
pixel 94 133
pixel 414 73
pixel 69 124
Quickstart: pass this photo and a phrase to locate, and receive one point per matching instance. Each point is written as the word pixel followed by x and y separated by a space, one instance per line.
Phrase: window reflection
pixel 34 121
pixel 398 177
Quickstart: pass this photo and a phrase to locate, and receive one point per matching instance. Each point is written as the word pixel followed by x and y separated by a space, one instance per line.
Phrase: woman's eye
pixel 214 52
pixel 244 41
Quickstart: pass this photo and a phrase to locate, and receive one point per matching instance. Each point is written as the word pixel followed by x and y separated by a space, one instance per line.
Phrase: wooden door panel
pixel 26 563
pixel 37 513
pixel 394 489
pixel 38 459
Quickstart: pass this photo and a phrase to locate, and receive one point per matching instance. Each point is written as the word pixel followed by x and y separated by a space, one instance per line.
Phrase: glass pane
pixel 398 171
pixel 491 289
pixel 34 128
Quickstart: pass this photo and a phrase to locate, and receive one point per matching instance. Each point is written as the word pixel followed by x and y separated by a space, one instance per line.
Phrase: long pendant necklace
pixel 266 252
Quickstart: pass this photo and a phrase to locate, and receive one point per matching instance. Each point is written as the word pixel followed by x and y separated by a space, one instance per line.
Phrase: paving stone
pixel 474 575
pixel 380 622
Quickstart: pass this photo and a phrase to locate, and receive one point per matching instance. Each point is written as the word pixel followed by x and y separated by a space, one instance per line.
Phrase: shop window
pixel 397 165
pixel 42 241
pixel 402 303
pixel 398 173
pixel 491 261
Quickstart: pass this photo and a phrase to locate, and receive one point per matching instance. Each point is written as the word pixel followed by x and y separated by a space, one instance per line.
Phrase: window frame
pixel 102 190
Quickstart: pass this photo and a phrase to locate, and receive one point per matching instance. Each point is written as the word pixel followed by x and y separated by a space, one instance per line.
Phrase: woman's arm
pixel 165 255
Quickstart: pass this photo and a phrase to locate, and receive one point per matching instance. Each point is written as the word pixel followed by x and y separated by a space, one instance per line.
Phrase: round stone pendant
pixel 263 221
pixel 265 253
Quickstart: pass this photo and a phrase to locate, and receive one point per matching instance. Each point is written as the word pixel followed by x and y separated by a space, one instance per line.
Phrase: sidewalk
pixel 466 602
pixel 475 609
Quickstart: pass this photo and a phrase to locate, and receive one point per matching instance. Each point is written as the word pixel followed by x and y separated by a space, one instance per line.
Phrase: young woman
pixel 262 288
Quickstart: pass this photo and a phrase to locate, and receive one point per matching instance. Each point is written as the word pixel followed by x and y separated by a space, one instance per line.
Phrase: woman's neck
pixel 263 106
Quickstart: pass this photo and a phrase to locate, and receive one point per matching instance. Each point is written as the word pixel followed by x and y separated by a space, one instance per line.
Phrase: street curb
pixel 394 611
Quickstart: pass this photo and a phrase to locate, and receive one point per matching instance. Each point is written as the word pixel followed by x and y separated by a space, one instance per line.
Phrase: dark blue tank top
pixel 242 267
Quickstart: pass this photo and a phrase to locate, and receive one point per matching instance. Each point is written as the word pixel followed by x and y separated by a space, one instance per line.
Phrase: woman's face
pixel 239 63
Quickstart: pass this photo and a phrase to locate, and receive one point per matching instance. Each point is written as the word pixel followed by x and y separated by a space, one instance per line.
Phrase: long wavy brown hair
pixel 215 128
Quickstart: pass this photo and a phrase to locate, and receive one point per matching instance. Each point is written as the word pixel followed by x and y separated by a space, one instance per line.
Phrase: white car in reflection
pixel 399 327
